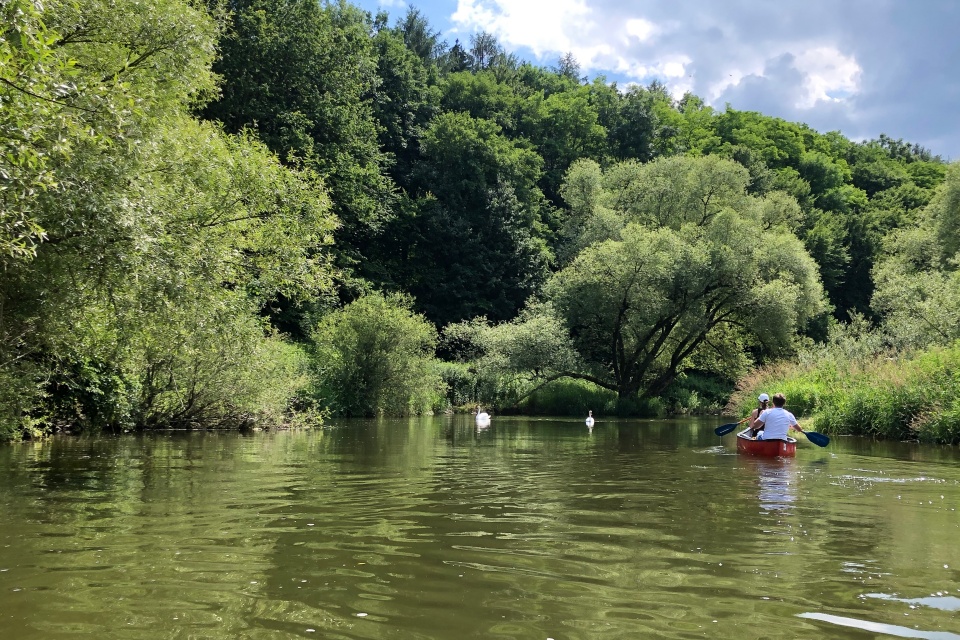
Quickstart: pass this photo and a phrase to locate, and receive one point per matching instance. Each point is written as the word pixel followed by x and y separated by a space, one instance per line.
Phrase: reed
pixel 905 396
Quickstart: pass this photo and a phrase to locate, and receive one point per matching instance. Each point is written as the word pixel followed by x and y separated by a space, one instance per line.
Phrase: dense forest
pixel 262 212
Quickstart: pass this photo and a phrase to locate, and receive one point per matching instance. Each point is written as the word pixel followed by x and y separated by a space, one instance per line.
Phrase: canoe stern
pixel 769 448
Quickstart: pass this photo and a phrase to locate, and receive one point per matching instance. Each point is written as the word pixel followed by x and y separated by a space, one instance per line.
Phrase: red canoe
pixel 771 448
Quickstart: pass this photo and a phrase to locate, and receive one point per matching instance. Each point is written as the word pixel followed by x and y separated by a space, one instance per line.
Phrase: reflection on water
pixel 938 601
pixel 886 629
pixel 432 528
pixel 777 481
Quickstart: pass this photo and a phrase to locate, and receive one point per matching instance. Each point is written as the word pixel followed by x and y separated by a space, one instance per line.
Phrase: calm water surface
pixel 427 528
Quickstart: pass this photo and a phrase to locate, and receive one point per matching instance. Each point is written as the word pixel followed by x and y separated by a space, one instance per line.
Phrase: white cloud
pixel 734 77
pixel 545 27
pixel 829 75
pixel 642 30
pixel 859 66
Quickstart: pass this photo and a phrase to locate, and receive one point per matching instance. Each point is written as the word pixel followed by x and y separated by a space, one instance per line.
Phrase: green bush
pixel 569 397
pixel 462 383
pixel 19 396
pixel 696 394
pixel 375 357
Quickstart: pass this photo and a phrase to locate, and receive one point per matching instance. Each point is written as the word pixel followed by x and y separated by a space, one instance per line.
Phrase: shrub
pixel 696 394
pixel 375 357
pixel 568 397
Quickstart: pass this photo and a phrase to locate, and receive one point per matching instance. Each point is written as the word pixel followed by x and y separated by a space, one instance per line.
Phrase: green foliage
pixel 511 359
pixel 687 127
pixel 406 98
pixel 780 143
pixel 462 384
pixel 32 76
pixel 152 311
pixel 696 394
pixel 458 175
pixel 478 236
pixel 85 76
pixel 163 239
pixel 564 127
pixel 690 277
pixel 896 396
pixel 570 398
pixel 481 96
pixel 918 281
pixel 927 175
pixel 632 124
pixel 375 357
pixel 301 75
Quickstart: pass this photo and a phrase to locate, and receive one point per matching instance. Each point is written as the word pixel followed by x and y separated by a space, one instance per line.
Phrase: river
pixel 427 528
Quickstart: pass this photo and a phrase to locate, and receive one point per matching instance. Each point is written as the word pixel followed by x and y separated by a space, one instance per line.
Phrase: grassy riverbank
pixel 902 397
pixel 691 395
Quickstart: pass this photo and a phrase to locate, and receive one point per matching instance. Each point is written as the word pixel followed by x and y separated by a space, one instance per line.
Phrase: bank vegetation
pixel 261 213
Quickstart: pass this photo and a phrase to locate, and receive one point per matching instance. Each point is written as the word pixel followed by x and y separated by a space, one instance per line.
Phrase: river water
pixel 427 528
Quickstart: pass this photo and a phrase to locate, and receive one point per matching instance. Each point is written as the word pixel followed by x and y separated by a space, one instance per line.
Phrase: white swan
pixel 483 419
pixel 590 418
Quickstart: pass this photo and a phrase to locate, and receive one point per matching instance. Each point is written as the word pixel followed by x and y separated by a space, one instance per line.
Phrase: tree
pixel 163 239
pixel 564 127
pixel 693 272
pixel 418 36
pixel 477 240
pixel 781 143
pixel 75 77
pixel 510 360
pixel 482 96
pixel 303 76
pixel 484 50
pixel 918 279
pixel 568 67
pixel 634 129
pixel 375 357
pixel 406 99
pixel 33 81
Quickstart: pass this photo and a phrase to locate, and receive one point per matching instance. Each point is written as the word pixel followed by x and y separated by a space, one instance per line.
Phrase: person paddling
pixel 776 422
pixel 763 403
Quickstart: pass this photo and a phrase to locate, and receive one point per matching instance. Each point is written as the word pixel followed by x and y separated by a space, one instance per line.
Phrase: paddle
pixel 817 438
pixel 724 429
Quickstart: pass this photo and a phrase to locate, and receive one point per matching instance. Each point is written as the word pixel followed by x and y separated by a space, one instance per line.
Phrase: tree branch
pixel 39 97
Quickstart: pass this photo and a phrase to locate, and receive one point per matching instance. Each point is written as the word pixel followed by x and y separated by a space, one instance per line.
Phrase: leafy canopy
pixel 695 270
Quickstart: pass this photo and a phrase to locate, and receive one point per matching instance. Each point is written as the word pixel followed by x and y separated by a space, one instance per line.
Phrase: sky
pixel 861 67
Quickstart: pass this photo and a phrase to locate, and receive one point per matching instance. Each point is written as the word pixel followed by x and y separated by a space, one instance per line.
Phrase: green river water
pixel 427 528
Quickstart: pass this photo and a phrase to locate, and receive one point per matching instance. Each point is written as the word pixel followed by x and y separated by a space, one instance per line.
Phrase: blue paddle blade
pixel 817 438
pixel 724 429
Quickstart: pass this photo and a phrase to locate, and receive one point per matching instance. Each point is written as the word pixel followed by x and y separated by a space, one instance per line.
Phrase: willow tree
pixel 696 272
pixel 131 292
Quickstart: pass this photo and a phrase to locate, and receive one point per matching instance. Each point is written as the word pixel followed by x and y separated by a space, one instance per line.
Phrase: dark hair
pixel 779 400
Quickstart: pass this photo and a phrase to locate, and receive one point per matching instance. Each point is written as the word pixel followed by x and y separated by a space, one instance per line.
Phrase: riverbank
pixel 914 396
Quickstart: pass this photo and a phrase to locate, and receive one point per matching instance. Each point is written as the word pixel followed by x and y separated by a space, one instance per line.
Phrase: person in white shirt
pixel 776 422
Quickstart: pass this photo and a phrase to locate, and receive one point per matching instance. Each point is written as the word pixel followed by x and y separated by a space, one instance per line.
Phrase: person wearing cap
pixel 776 422
pixel 763 403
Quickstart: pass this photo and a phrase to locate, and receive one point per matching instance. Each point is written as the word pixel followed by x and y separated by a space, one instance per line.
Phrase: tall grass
pixel 903 396
pixel 689 395
pixel 570 398
pixel 696 394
